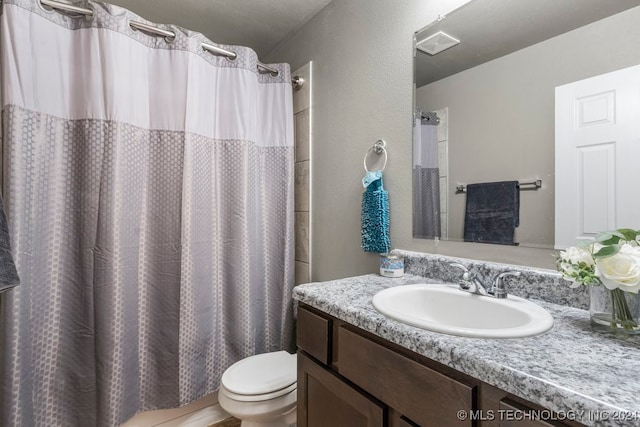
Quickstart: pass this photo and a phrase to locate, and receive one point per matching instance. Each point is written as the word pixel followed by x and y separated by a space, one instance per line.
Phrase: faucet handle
pixel 460 266
pixel 466 274
pixel 468 277
pixel 499 290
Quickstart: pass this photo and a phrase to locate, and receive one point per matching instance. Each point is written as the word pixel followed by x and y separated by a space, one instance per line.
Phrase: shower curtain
pixel 149 191
pixel 426 178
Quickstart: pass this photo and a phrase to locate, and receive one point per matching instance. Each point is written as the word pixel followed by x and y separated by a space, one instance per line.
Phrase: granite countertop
pixel 580 373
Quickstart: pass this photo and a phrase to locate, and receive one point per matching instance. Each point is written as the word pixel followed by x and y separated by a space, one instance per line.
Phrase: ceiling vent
pixel 436 43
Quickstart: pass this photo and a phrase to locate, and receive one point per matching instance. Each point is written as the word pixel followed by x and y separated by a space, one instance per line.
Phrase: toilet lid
pixel 261 374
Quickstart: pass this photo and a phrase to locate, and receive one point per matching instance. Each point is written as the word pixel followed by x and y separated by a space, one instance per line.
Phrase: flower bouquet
pixel 611 262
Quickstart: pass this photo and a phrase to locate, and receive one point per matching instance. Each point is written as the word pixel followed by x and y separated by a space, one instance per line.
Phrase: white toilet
pixel 261 390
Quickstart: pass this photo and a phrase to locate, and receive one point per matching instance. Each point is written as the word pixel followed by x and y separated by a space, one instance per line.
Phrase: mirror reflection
pixel 484 127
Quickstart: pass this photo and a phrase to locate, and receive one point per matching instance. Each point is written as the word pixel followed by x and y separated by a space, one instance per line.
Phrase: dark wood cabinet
pixel 349 377
pixel 324 400
pixel 313 333
pixel 517 415
pixel 422 394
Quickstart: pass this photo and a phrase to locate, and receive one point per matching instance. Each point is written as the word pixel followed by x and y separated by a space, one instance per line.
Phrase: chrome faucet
pixel 470 283
pixel 499 290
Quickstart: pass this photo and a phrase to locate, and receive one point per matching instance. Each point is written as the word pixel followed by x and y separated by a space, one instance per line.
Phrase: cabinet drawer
pixel 425 396
pixel 513 414
pixel 312 335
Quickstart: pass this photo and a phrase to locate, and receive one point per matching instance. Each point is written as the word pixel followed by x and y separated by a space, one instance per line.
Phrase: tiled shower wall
pixel 302 120
pixel 443 166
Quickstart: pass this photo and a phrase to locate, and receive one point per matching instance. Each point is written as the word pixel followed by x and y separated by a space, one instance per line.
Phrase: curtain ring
pixel 378 148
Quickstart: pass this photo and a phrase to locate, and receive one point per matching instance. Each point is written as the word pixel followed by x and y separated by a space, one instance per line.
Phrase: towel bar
pixel 533 185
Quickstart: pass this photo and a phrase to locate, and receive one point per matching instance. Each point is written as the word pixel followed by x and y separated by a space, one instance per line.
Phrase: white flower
pixel 621 270
pixel 576 255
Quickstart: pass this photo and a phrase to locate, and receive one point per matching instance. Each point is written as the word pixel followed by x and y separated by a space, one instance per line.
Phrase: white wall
pixel 363 73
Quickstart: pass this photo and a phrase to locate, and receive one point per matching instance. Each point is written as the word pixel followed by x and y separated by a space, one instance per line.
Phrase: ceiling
pixel 259 24
pixel 489 29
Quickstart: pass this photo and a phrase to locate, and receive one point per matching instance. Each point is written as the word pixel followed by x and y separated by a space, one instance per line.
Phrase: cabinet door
pixel 324 400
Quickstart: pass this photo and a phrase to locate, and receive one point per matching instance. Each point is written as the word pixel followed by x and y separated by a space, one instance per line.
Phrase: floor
pixel 205 412
pixel 229 422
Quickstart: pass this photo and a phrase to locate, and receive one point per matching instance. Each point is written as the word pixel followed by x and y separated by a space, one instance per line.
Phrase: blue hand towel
pixel 375 214
pixel 492 212
pixel 8 274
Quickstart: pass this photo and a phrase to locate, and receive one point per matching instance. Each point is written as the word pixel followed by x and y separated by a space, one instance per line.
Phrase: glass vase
pixel 614 310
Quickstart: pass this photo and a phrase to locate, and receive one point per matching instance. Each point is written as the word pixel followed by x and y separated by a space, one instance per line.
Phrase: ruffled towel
pixel 375 214
pixel 8 274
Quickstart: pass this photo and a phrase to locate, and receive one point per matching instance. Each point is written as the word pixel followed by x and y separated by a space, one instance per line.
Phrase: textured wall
pixel 363 73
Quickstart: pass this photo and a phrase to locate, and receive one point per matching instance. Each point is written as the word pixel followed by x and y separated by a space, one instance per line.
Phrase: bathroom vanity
pixel 349 377
pixel 357 367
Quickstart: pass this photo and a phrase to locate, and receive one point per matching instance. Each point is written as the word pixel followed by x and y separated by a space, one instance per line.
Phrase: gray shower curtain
pixel 426 179
pixel 149 192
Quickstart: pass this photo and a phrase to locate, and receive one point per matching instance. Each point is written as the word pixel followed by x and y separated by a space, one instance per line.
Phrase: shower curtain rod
pixel 168 35
pixel 431 116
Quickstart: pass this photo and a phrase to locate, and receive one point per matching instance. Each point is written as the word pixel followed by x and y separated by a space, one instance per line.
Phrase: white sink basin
pixel 446 309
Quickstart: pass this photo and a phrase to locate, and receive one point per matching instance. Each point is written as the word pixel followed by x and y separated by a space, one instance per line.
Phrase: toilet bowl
pixel 261 390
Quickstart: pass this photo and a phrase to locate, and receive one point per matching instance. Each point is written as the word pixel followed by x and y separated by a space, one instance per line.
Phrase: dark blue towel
pixel 8 274
pixel 492 212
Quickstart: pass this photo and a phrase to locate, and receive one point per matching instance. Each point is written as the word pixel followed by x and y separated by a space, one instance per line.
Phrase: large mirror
pixel 485 79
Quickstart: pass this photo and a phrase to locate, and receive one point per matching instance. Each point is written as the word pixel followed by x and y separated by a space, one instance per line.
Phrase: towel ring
pixel 378 148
